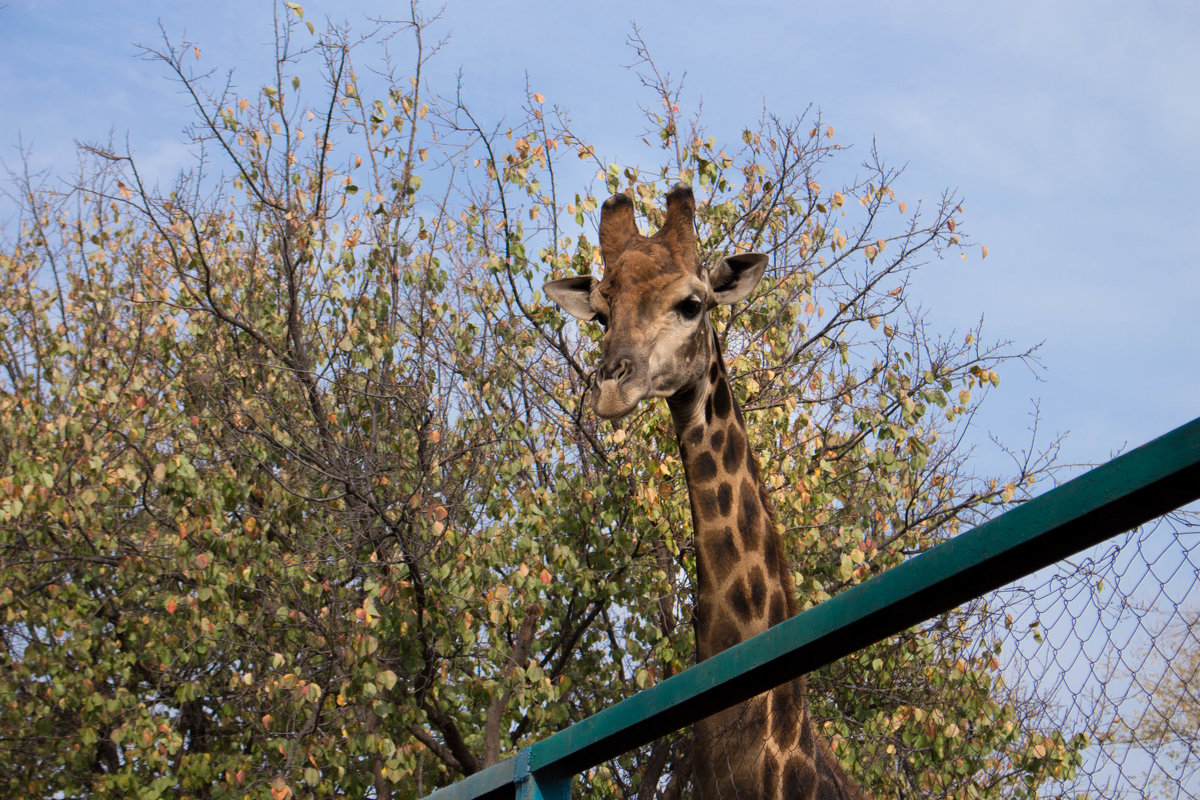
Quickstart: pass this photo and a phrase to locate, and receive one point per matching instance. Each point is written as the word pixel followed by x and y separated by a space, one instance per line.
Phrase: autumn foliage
pixel 298 496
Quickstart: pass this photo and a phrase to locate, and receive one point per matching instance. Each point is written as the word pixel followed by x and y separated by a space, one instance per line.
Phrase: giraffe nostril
pixel 616 370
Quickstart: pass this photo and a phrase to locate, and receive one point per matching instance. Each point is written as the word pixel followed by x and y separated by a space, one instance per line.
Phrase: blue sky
pixel 1072 129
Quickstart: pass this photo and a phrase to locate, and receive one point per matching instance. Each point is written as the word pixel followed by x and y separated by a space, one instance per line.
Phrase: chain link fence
pixel 1107 644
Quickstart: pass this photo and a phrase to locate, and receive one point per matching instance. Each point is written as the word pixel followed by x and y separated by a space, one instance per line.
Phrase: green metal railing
pixel 1128 491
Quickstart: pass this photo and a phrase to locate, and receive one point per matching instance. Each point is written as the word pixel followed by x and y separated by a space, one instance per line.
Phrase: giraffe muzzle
pixel 620 385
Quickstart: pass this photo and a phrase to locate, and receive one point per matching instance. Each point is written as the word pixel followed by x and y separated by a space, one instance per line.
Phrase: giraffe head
pixel 653 301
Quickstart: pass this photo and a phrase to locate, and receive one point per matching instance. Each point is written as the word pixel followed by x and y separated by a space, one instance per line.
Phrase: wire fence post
pixel 534 788
pixel 539 784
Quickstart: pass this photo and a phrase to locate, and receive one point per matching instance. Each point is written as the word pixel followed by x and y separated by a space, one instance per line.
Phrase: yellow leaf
pixel 538 98
pixel 160 471
pixel 984 250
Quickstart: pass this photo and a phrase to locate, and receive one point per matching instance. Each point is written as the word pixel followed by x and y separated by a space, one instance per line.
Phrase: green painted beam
pixel 1132 489
pixel 493 783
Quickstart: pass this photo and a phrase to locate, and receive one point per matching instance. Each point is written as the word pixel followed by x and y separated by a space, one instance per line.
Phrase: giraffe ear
pixel 574 295
pixel 736 276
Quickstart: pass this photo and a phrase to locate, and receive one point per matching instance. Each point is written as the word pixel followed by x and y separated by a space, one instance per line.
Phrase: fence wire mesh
pixel 1108 644
pixel 1088 682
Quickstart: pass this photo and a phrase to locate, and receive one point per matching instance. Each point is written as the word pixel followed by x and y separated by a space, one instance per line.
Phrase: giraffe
pixel 653 301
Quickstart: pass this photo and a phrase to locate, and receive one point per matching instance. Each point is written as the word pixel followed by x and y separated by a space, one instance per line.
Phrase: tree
pixel 298 496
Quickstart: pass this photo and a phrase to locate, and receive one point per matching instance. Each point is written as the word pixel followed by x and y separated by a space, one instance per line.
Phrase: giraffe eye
pixel 690 308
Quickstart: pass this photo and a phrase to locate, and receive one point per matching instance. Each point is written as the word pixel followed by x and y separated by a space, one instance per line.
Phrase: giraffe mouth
pixel 613 399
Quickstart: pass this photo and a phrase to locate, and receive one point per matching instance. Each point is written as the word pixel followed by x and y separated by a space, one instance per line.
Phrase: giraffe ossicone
pixel 654 300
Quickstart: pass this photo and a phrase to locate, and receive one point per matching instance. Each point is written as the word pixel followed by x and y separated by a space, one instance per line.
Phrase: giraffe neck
pixel 744 584
pixel 765 747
